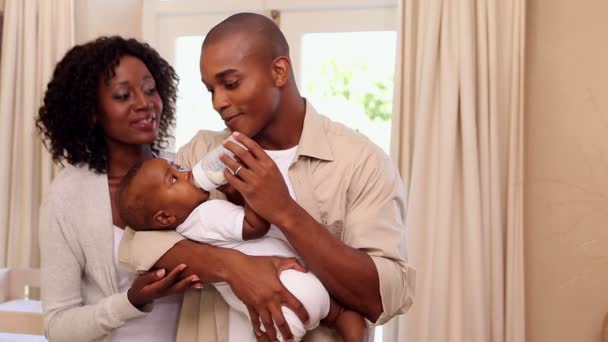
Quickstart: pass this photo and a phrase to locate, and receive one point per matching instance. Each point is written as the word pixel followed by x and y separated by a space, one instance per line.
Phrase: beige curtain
pixel 36 34
pixel 457 139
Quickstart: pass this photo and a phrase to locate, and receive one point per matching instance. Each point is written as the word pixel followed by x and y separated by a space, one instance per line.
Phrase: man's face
pixel 241 83
pixel 170 189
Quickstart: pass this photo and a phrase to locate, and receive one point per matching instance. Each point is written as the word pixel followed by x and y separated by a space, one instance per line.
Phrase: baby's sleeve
pixel 214 221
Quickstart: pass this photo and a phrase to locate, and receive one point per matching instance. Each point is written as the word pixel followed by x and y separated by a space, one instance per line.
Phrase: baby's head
pixel 156 195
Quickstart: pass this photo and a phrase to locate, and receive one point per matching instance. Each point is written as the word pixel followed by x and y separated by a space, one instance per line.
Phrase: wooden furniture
pixel 19 314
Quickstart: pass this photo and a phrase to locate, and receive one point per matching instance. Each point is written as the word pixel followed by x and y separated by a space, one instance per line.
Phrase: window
pixel 351 84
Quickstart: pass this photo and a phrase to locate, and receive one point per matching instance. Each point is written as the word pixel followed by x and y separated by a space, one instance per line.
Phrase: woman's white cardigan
pixel 80 295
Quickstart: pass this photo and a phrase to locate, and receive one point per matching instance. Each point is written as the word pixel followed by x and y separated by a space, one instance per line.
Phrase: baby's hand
pixel 254 226
pixel 232 195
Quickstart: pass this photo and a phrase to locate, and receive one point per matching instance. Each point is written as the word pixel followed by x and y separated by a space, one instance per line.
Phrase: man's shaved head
pixel 262 33
pixel 245 66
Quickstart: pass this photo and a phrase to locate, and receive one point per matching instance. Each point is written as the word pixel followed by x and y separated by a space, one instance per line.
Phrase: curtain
pixel 36 34
pixel 457 138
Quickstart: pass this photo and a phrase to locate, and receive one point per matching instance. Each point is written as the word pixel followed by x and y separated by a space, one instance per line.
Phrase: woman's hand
pixel 255 281
pixel 152 285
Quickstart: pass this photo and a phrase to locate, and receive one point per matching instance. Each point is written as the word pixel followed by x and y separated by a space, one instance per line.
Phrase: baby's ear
pixel 164 219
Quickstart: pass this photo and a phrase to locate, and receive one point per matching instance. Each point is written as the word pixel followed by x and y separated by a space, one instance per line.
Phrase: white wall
pixel 566 170
pixel 107 17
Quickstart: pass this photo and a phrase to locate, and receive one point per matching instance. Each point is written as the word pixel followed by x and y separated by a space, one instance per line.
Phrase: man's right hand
pixel 152 285
pixel 255 281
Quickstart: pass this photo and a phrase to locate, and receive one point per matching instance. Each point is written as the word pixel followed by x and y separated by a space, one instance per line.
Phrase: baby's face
pixel 171 189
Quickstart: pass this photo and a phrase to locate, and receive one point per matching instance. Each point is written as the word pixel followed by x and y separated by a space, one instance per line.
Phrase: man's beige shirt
pixel 345 182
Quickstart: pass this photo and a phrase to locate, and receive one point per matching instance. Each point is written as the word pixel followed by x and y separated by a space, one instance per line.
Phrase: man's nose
pixel 220 100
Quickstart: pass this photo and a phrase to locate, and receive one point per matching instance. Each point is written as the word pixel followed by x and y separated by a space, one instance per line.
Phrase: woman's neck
pixel 122 158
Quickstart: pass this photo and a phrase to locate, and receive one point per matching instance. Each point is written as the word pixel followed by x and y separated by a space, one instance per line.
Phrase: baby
pixel 155 195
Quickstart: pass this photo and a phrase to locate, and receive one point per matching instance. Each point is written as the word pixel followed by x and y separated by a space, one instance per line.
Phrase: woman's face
pixel 129 105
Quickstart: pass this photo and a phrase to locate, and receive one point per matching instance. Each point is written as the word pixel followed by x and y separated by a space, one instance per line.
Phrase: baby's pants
pixel 305 287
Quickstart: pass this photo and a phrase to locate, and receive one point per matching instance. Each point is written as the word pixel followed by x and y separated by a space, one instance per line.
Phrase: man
pixel 346 221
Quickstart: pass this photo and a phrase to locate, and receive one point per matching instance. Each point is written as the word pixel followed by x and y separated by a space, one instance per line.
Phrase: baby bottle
pixel 208 173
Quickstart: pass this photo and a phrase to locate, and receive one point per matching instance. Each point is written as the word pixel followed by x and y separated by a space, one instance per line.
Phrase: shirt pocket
pixel 335 228
pixel 332 218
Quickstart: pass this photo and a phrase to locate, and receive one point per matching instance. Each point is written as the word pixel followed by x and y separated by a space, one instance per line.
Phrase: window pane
pixel 348 76
pixel 194 108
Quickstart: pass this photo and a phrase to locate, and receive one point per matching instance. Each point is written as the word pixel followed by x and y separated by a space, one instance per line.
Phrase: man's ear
pixel 281 67
pixel 164 219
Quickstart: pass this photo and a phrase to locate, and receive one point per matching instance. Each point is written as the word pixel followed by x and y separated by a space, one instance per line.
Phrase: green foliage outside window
pixel 355 83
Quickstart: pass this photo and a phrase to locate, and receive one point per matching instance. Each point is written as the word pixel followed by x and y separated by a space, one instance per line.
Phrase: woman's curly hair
pixel 67 119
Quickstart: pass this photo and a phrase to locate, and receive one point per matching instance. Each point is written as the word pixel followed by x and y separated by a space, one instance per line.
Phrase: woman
pixel 109 105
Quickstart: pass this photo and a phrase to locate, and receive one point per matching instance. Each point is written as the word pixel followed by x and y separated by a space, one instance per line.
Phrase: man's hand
pixel 255 281
pixel 258 180
pixel 154 284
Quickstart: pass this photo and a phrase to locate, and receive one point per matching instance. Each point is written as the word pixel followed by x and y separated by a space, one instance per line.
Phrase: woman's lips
pixel 146 124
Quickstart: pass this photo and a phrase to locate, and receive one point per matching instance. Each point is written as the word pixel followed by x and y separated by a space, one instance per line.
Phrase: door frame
pixel 154 10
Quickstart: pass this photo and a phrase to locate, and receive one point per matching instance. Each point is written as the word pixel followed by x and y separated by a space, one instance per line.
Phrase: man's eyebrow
pixel 225 73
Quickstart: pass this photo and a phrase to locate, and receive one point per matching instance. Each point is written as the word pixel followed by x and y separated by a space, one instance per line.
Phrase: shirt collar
pixel 314 141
